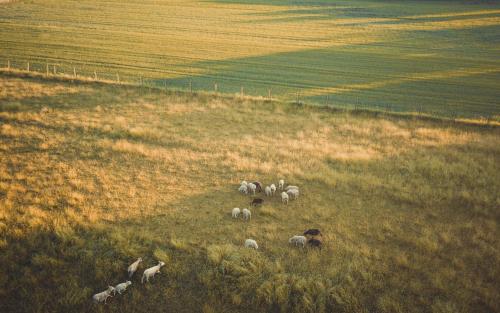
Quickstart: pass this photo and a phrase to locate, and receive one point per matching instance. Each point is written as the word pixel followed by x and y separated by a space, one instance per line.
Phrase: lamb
pixel 256 201
pixel 251 188
pixel 103 296
pixel 250 243
pixel 268 191
pixel 313 232
pixel 273 189
pixel 293 193
pixel 258 185
pixel 247 215
pixel 122 287
pixel 281 184
pixel 150 272
pixel 298 240
pixel 315 243
pixel 284 197
pixel 236 212
pixel 243 189
pixel 291 187
pixel 133 267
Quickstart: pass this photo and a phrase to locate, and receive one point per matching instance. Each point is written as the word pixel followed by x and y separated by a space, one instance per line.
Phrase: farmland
pixel 438 57
pixel 95 175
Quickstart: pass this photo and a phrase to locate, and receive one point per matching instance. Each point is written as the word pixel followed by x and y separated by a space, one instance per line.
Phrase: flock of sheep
pixel 111 291
pixel 289 192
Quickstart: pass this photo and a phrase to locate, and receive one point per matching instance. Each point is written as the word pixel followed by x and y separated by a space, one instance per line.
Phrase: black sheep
pixel 313 232
pixel 258 185
pixel 256 201
pixel 314 243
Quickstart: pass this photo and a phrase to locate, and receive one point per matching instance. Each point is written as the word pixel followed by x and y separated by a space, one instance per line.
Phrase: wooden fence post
pixel 55 71
pixel 269 93
pixel 241 91
pixel 8 65
pixel 191 86
pixel 215 87
pixel 74 72
pixel 47 68
pixel 118 78
pixel 298 96
pixel 28 68
pixel 95 75
pixel 165 82
pixel 326 103
pixel 140 80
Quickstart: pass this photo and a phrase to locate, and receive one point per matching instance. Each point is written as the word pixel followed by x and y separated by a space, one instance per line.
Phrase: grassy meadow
pixel 440 57
pixel 93 176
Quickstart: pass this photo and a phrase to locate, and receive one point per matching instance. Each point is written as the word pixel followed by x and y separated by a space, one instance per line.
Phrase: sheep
pixel 315 243
pixel 256 201
pixel 281 184
pixel 268 191
pixel 258 186
pixel 273 189
pixel 250 243
pixel 150 272
pixel 293 193
pixel 247 215
pixel 122 287
pixel 103 296
pixel 133 267
pixel 284 197
pixel 291 187
pixel 298 240
pixel 251 188
pixel 244 183
pixel 243 189
pixel 313 232
pixel 236 212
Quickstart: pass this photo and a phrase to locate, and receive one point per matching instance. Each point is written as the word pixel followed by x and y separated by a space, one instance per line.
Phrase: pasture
pixel 93 176
pixel 437 57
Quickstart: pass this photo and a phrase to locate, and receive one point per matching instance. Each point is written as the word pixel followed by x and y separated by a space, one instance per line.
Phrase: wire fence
pixel 226 85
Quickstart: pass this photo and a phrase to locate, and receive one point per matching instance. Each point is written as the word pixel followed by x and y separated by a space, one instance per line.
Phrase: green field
pixel 93 176
pixel 439 57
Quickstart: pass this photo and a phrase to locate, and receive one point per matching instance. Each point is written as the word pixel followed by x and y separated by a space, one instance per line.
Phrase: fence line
pixel 162 84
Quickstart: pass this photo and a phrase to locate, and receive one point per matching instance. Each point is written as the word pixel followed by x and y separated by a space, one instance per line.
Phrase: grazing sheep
pixel 247 215
pixel 244 183
pixel 258 186
pixel 315 243
pixel 251 188
pixel 313 232
pixel 268 191
pixel 122 287
pixel 243 189
pixel 293 193
pixel 281 184
pixel 236 212
pixel 291 187
pixel 250 243
pixel 298 240
pixel 133 267
pixel 150 272
pixel 273 189
pixel 256 201
pixel 103 296
pixel 284 197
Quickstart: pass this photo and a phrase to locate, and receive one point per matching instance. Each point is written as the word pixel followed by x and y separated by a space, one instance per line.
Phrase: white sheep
pixel 250 243
pixel 133 267
pixel 268 191
pixel 236 212
pixel 273 189
pixel 243 189
pixel 244 183
pixel 291 187
pixel 293 193
pixel 247 215
pixel 284 197
pixel 298 240
pixel 122 287
pixel 103 296
pixel 251 188
pixel 150 272
pixel 281 184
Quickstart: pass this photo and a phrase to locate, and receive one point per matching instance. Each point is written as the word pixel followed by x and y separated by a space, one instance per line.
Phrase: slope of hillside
pixel 94 176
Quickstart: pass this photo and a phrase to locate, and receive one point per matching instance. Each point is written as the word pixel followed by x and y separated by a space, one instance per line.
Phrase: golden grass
pixel 409 207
